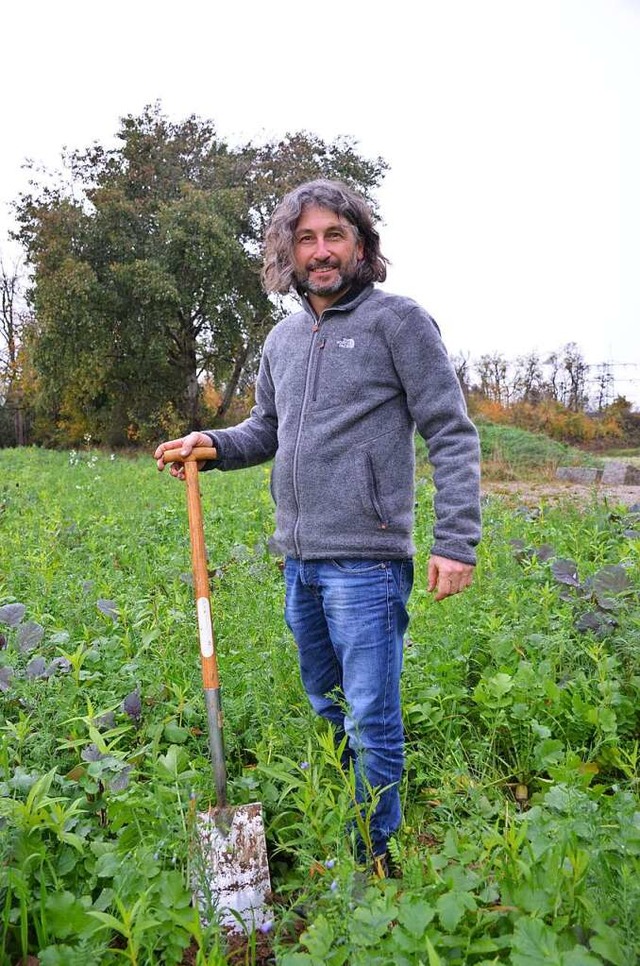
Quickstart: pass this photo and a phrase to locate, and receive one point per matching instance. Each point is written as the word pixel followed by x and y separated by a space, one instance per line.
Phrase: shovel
pixel 233 872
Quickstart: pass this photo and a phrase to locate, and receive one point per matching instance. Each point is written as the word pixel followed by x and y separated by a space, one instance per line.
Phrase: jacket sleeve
pixel 255 440
pixel 437 406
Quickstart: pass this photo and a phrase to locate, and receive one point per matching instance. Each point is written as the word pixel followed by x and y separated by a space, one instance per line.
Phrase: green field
pixel 521 841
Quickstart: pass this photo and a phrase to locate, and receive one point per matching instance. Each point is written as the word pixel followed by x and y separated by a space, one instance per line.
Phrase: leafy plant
pixel 520 838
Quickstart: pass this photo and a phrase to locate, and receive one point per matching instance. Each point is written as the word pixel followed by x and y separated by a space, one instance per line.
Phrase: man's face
pixel 326 253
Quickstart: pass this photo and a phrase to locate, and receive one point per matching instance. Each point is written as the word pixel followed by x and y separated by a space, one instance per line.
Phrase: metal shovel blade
pixel 232 883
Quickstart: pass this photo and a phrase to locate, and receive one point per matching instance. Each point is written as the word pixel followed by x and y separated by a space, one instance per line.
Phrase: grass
pixel 509 453
pixel 521 840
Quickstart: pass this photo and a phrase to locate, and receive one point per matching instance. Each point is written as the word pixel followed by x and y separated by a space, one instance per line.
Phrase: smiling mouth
pixel 322 269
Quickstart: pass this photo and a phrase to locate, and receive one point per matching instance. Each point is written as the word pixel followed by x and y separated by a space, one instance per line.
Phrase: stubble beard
pixel 343 281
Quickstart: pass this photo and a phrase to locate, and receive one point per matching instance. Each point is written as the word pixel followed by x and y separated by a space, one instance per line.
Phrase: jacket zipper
pixel 296 449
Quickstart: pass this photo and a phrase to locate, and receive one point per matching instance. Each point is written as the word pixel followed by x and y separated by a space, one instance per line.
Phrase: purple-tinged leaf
pixel 29 635
pixel 612 579
pixel 87 586
pixel 566 572
pixel 37 668
pixel 608 603
pixel 59 665
pixel 109 608
pixel 6 673
pixel 592 620
pixel 121 780
pixel 132 705
pixel 521 552
pixel 105 721
pixel 544 552
pixel 12 614
pixel 632 534
pixel 568 594
pixel 91 753
pixel 3 642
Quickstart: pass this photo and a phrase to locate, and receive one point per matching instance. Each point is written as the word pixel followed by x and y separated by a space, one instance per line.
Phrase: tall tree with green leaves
pixel 146 261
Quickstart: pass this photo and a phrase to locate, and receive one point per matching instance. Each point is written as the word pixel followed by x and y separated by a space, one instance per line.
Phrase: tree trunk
pixel 18 427
pixel 232 385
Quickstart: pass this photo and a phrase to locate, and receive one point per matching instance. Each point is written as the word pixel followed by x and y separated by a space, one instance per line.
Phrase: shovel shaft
pixel 208 662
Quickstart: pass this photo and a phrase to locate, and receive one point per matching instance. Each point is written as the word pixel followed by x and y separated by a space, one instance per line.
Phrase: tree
pixel 492 369
pixel 14 319
pixel 146 262
pixel 461 364
pixel 576 369
pixel 604 386
pixel 528 381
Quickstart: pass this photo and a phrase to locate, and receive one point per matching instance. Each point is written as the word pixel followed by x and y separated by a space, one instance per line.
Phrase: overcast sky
pixel 512 130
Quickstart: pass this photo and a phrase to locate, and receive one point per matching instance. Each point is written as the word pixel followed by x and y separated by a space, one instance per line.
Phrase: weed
pixel 521 838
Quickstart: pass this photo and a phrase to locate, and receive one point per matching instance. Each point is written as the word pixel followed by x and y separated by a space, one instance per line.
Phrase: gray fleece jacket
pixel 338 399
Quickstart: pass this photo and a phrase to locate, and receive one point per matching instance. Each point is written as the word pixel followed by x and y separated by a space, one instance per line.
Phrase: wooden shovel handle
pixel 199 559
pixel 208 662
pixel 199 453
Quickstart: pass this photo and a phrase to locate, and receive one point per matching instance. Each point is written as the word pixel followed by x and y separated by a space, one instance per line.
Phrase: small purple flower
pixel 334 885
pixel 329 864
pixel 266 926
pixel 304 765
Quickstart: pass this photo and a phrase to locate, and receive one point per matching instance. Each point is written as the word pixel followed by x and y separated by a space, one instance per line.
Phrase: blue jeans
pixel 348 618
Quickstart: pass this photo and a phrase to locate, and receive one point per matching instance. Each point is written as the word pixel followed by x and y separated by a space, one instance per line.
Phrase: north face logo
pixel 346 343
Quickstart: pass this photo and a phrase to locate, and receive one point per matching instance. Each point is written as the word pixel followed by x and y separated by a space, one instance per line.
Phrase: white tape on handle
pixel 205 629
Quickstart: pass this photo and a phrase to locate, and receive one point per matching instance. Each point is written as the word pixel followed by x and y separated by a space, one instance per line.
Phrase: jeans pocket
pixel 357 565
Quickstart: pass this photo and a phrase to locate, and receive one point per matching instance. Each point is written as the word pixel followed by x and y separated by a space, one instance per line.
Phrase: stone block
pixel 614 473
pixel 621 474
pixel 579 474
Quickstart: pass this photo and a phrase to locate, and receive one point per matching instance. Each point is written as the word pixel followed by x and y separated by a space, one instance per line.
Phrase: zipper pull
pixel 315 327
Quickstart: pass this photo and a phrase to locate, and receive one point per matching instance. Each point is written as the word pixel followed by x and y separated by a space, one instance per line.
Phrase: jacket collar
pixel 352 297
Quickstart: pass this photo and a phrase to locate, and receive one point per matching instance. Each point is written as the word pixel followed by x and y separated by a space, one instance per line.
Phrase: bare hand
pixel 447 577
pixel 185 445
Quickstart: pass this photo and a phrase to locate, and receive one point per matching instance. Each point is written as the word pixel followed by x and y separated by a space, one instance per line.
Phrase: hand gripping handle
pixel 196 454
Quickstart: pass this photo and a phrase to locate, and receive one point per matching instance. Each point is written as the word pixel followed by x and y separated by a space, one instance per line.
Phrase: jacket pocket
pixel 373 492
pixel 316 376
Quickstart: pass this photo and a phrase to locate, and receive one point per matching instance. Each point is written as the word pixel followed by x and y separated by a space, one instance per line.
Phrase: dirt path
pixel 557 491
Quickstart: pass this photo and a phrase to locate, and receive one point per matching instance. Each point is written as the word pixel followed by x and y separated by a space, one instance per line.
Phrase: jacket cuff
pixel 462 554
pixel 212 464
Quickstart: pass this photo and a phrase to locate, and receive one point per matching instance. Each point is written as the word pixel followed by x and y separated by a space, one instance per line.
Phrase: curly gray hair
pixel 278 274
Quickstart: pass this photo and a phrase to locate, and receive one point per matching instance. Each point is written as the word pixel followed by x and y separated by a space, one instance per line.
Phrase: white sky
pixel 512 128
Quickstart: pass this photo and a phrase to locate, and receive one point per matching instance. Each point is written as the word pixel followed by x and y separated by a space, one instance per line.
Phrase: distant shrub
pixel 509 452
pixel 551 418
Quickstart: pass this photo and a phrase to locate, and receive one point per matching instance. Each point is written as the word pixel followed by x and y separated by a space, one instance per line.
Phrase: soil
pixel 560 491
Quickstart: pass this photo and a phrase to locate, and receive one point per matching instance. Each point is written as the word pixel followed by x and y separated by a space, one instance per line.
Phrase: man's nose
pixel 321 252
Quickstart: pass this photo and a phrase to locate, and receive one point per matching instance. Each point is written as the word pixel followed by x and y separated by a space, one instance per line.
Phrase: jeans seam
pixel 389 658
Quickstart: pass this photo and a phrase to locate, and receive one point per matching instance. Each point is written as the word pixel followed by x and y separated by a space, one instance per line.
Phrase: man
pixel 342 385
